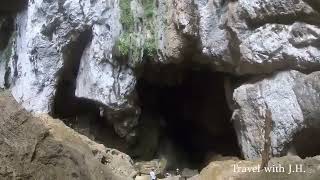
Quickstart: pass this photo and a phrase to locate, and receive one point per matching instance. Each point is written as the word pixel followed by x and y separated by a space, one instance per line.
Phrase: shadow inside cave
pixel 81 114
pixel 304 145
pixel 191 113
pixel 185 115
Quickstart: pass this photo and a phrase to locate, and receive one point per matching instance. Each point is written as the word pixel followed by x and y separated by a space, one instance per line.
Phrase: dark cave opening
pixel 191 111
pixel 185 115
pixel 303 145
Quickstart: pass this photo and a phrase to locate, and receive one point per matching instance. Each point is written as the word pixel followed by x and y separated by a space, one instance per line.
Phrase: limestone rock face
pixel 68 45
pixel 177 27
pixel 292 98
pixel 246 37
pixel 214 37
pixel 277 46
pixel 307 92
pixel 47 30
pixel 44 148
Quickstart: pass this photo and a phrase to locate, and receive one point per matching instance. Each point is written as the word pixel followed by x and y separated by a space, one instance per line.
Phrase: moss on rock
pixel 134 44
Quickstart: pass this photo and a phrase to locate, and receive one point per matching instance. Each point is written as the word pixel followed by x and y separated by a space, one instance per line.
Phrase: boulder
pixel 292 98
pixel 44 148
pixel 235 170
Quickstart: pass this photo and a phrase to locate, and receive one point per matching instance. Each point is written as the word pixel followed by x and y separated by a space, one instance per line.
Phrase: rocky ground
pixel 44 148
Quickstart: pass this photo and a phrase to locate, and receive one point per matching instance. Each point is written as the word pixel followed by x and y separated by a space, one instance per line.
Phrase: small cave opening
pixel 185 115
pixel 303 144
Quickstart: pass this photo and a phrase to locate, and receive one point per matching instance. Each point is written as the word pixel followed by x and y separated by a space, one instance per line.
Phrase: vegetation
pixel 129 42
pixel 126 18
pixel 149 15
pixel 127 22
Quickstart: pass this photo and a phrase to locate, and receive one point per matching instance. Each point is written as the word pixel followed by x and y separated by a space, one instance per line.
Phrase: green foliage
pixel 149 13
pixel 149 7
pixel 127 43
pixel 150 47
pixel 124 44
pixel 126 18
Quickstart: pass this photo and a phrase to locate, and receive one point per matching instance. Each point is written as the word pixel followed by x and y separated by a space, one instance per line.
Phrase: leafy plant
pixel 149 7
pixel 126 18
pixel 128 42
pixel 150 47
pixel 124 44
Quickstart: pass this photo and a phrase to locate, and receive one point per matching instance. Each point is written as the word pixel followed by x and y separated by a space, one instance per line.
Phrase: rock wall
pixel 276 44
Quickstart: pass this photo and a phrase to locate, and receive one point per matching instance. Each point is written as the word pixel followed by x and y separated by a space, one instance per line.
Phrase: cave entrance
pixel 303 145
pixel 189 105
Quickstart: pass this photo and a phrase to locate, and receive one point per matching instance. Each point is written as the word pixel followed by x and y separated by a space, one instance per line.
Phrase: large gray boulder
pixel 307 90
pixel 292 98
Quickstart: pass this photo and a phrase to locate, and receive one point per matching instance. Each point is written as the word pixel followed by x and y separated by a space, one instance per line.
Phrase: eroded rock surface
pixel 292 98
pixel 61 53
pixel 220 170
pixel 44 148
pixel 248 37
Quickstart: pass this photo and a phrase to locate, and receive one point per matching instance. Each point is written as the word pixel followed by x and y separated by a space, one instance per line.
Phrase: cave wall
pixel 273 46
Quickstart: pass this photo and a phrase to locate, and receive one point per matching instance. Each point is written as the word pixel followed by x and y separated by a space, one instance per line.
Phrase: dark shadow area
pixel 191 111
pixel 65 102
pixel 83 115
pixel 9 6
pixel 6 30
pixel 305 144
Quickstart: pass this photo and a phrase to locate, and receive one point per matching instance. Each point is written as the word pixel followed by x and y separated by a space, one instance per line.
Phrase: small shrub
pixel 127 43
pixel 124 44
pixel 126 18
